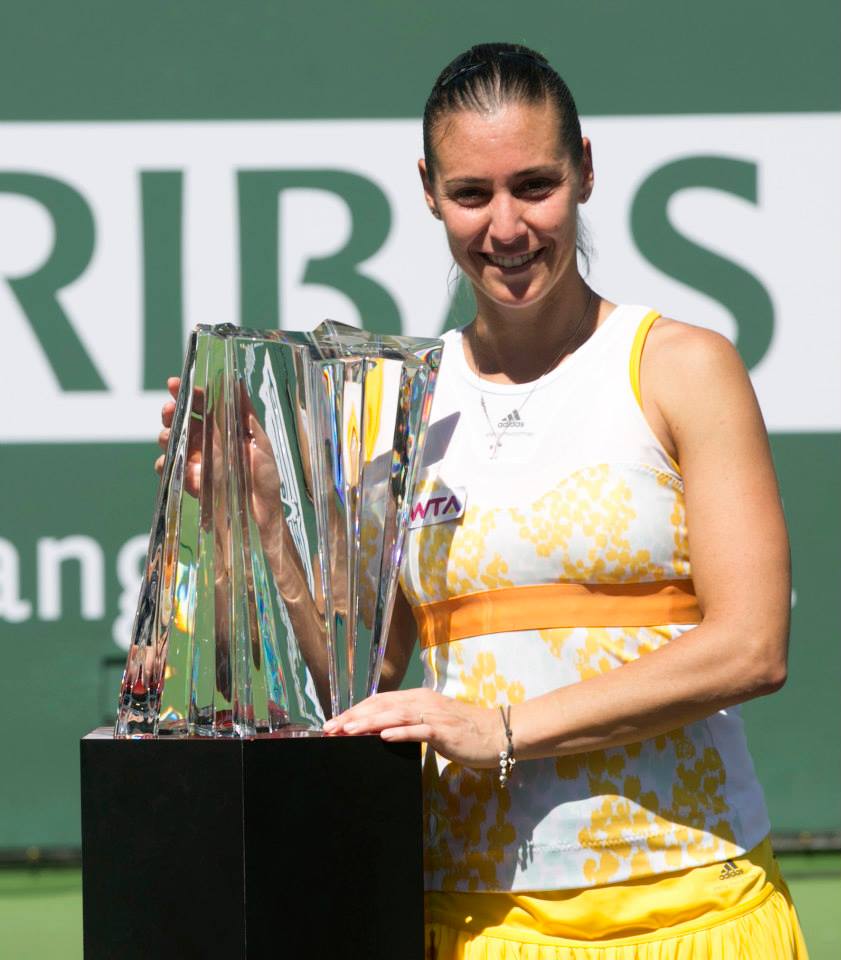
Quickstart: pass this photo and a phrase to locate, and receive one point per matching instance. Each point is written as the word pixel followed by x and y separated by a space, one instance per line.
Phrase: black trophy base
pixel 243 849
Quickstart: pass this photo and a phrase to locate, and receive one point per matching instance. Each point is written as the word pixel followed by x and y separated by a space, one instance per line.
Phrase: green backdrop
pixel 127 63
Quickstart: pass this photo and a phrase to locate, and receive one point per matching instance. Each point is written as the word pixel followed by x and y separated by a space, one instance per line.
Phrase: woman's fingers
pixel 192 469
pixel 383 710
pixel 192 477
pixel 384 720
pixel 192 474
pixel 468 734
pixel 418 733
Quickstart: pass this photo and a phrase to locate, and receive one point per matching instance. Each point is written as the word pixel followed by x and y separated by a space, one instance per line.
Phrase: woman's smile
pixel 512 264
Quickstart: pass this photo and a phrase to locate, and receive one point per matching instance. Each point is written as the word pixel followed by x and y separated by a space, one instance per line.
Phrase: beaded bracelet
pixel 506 757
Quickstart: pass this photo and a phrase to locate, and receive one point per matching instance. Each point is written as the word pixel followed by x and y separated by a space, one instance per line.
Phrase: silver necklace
pixel 496 443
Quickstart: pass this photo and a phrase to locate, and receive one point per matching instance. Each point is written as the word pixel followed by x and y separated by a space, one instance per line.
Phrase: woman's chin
pixel 515 296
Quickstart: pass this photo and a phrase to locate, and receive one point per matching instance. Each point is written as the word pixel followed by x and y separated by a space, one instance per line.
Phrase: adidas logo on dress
pixel 511 420
pixel 730 870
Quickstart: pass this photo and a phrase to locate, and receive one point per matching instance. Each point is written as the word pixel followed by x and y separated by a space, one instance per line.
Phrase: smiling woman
pixel 567 623
pixel 506 168
pixel 510 213
pixel 608 578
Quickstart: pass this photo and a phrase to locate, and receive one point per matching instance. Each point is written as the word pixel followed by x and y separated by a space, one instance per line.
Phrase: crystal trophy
pixel 278 531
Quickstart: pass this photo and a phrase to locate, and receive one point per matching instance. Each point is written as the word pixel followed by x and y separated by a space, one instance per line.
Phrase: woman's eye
pixel 536 188
pixel 470 196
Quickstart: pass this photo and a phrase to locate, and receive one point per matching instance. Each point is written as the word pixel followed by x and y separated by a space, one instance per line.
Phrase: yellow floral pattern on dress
pixel 474 804
pixel 602 817
pixel 597 505
pixel 629 823
pixel 581 530
pixel 484 685
pixel 475 810
pixel 677 518
pixel 599 649
pixel 452 555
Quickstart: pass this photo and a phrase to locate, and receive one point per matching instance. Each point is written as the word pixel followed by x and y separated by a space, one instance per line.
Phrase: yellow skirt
pixel 740 909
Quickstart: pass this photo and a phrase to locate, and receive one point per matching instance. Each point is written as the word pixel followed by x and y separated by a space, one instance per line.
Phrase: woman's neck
pixel 519 345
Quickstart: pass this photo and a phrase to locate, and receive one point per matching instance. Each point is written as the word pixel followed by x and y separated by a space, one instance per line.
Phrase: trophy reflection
pixel 278 531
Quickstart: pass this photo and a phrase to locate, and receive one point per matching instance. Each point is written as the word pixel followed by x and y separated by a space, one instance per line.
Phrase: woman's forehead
pixel 476 144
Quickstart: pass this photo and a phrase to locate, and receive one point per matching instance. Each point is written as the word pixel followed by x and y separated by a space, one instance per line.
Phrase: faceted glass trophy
pixel 278 532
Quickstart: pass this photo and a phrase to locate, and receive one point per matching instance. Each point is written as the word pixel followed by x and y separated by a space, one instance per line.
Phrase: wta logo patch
pixel 437 506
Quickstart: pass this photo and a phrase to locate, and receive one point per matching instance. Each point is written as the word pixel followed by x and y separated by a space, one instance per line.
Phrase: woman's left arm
pixel 699 400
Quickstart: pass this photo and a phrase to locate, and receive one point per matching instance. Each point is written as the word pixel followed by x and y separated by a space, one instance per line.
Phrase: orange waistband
pixel 557 605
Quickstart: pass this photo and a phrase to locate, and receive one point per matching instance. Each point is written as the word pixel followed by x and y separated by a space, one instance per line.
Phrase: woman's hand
pixel 264 481
pixel 192 467
pixel 463 732
pixel 167 413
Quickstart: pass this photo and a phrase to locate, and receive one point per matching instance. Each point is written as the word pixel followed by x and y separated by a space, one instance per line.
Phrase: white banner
pixel 724 221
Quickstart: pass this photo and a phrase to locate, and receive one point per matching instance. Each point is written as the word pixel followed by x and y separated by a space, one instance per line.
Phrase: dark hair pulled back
pixel 491 74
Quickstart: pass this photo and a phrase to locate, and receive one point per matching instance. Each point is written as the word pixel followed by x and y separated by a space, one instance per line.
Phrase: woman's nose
pixel 506 226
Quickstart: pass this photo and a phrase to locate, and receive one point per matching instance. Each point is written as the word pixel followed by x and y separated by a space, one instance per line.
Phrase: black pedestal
pixel 300 848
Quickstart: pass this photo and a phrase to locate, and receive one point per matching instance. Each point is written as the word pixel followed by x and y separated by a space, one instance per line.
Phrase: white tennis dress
pixel 548 545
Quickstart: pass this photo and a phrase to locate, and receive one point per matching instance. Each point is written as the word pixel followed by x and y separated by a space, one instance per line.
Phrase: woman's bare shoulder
pixel 693 379
pixel 688 358
pixel 675 336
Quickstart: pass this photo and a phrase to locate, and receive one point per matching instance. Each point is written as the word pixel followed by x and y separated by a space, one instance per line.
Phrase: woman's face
pixel 507 192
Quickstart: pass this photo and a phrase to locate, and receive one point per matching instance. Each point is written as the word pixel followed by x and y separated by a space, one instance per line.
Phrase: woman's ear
pixel 428 193
pixel 587 175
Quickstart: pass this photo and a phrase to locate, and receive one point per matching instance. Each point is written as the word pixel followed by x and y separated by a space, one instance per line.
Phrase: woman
pixel 564 621
pixel 568 592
